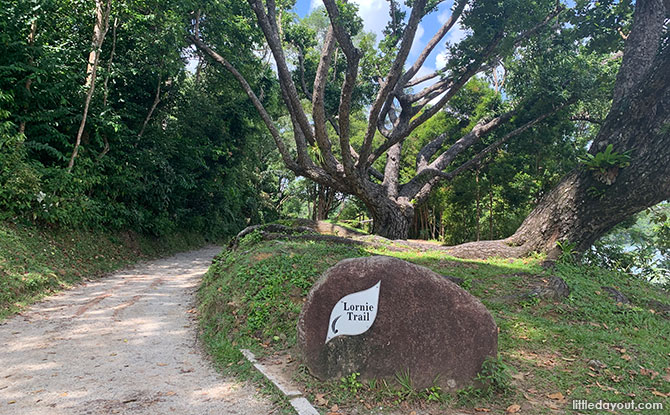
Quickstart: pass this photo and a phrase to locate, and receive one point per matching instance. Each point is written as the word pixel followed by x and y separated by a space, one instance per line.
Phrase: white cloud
pixel 417 44
pixel 456 34
pixel 375 14
pixel 441 59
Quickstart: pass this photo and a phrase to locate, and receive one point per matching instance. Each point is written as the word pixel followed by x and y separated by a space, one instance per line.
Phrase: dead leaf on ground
pixel 558 396
pixel 512 409
pixel 648 372
pixel 661 394
pixel 320 400
pixel 482 410
pixel 626 357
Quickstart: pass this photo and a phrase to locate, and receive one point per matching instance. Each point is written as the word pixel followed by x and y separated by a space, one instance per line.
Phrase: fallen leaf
pixel 11 402
pixel 648 372
pixel 512 409
pixel 661 394
pixel 171 393
pixel 626 357
pixel 482 410
pixel 161 364
pixel 335 408
pixel 320 400
pixel 558 396
pixel 518 376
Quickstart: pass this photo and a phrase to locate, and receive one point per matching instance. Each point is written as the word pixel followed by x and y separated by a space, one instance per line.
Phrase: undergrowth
pixel 37 261
pixel 584 347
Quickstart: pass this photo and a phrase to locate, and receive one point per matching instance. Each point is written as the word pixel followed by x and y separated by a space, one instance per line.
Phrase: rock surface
pixel 425 325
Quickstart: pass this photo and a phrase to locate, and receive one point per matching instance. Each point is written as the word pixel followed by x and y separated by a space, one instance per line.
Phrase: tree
pixel 629 166
pixel 396 107
pixel 157 150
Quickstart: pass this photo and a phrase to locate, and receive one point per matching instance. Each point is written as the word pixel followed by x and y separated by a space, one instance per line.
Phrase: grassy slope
pixel 35 262
pixel 251 298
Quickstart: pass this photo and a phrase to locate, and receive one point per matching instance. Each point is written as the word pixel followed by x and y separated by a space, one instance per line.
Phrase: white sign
pixel 354 313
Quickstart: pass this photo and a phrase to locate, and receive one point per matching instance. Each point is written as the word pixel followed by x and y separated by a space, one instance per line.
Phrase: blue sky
pixel 375 16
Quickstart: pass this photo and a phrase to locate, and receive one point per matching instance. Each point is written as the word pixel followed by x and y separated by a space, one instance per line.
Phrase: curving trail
pixel 124 344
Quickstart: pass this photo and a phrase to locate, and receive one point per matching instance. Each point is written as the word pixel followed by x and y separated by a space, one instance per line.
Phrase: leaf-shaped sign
pixel 354 313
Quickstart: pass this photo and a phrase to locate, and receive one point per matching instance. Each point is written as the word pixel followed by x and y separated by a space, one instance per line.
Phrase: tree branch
pixel 641 45
pixel 446 27
pixel 433 174
pixel 391 80
pixel 274 132
pixel 318 105
pixel 268 25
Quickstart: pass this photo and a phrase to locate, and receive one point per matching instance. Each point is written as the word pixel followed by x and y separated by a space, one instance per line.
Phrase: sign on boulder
pixel 381 317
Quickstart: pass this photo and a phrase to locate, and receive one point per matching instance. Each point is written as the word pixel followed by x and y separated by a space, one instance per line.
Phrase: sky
pixel 375 15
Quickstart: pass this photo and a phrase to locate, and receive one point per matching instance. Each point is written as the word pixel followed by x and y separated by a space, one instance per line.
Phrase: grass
pixel 585 347
pixel 36 262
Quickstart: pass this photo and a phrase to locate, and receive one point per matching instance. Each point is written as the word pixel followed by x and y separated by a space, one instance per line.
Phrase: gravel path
pixel 124 344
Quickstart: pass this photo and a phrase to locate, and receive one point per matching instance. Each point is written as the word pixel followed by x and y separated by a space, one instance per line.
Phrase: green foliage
pixel 545 344
pixel 495 376
pixel 639 247
pixel 568 251
pixel 351 383
pixel 197 161
pixel 35 261
pixel 604 160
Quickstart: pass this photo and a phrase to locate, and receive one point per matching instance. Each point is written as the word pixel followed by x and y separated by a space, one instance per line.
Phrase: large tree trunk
pixel 585 205
pixel 390 219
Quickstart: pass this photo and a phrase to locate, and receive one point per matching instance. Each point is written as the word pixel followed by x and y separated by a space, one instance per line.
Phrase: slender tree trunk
pixel 29 81
pixel 479 206
pixel 105 85
pixel 324 202
pixel 491 212
pixel 99 32
pixel 157 100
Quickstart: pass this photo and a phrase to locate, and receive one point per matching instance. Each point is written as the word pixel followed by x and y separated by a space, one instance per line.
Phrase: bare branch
pixel 391 80
pixel 392 171
pixel 318 105
pixel 424 78
pixel 433 43
pixel 402 131
pixel 157 99
pixel 281 146
pixel 343 38
pixel 268 25
pixel 433 174
pixel 586 118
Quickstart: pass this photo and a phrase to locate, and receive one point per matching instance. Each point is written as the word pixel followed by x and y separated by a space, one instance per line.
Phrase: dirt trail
pixel 124 344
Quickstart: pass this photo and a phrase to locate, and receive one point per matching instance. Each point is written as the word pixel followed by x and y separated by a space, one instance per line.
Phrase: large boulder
pixel 423 324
